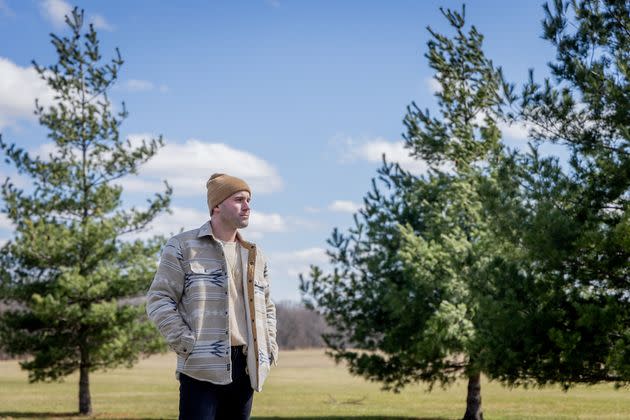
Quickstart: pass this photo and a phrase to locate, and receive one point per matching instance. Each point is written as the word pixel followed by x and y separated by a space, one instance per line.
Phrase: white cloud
pixel 301 223
pixel 297 262
pixel 433 85
pixel 100 22
pixel 344 206
pixel 511 131
pixel 373 150
pixel 170 224
pixel 19 181
pixel 515 131
pixel 266 222
pixel 187 166
pixel 189 218
pixel 139 85
pixel 56 11
pixel 44 150
pixel 19 87
pixel 5 223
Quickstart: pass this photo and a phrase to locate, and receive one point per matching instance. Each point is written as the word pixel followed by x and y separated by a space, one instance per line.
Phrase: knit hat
pixel 221 186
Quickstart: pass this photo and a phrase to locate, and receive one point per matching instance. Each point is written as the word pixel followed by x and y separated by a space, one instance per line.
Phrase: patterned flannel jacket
pixel 188 302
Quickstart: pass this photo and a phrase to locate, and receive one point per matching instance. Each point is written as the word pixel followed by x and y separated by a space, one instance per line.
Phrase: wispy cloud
pixel 19 88
pixel 186 218
pixel 187 166
pixel 5 223
pixel 261 223
pixel 301 223
pixel 180 218
pixel 515 131
pixel 373 150
pixel 55 11
pixel 100 22
pixel 344 206
pixel 294 263
pixel 137 85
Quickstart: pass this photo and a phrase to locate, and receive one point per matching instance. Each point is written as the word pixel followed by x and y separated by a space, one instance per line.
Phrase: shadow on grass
pixel 50 415
pixel 34 415
pixel 350 417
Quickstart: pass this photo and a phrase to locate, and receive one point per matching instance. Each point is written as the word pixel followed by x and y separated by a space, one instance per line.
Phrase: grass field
pixel 305 385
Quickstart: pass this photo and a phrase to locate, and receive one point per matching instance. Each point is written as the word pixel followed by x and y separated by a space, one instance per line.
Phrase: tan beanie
pixel 221 186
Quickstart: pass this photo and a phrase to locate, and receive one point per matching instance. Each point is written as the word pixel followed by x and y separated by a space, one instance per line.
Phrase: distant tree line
pixel 298 326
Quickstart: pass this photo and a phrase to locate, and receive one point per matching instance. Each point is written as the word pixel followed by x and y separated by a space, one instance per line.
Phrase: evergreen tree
pixel 67 271
pixel 568 222
pixel 402 294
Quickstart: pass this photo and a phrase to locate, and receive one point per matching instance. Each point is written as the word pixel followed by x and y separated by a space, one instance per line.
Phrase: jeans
pixel 201 400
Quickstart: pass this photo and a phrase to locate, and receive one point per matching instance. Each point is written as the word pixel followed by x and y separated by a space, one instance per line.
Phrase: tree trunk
pixel 473 399
pixel 85 399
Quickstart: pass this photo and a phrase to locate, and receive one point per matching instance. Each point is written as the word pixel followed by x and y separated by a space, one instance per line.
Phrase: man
pixel 210 300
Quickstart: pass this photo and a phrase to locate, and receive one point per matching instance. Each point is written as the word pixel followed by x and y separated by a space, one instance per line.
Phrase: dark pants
pixel 201 400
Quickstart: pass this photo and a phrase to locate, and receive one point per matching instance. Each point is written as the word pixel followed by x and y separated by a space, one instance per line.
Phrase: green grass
pixel 306 384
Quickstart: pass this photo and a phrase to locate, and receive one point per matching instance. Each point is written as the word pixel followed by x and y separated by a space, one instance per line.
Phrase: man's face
pixel 234 211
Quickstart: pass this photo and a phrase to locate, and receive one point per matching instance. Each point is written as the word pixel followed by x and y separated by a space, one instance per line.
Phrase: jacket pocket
pixel 204 274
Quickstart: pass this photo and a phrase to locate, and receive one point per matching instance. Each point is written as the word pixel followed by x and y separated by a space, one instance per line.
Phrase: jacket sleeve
pixel 271 321
pixel 164 296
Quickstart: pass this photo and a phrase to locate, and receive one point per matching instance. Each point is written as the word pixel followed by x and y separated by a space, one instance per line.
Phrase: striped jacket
pixel 188 302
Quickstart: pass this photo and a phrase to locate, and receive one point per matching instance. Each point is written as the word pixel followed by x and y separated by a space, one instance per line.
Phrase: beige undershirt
pixel 237 318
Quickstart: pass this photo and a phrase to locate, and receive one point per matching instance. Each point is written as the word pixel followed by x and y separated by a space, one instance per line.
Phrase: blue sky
pixel 300 98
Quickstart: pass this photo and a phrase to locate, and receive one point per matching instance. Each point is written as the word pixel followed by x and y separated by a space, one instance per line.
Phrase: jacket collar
pixel 206 230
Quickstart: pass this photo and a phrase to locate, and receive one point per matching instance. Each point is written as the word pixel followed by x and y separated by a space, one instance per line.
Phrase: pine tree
pixel 402 296
pixel 69 272
pixel 568 221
